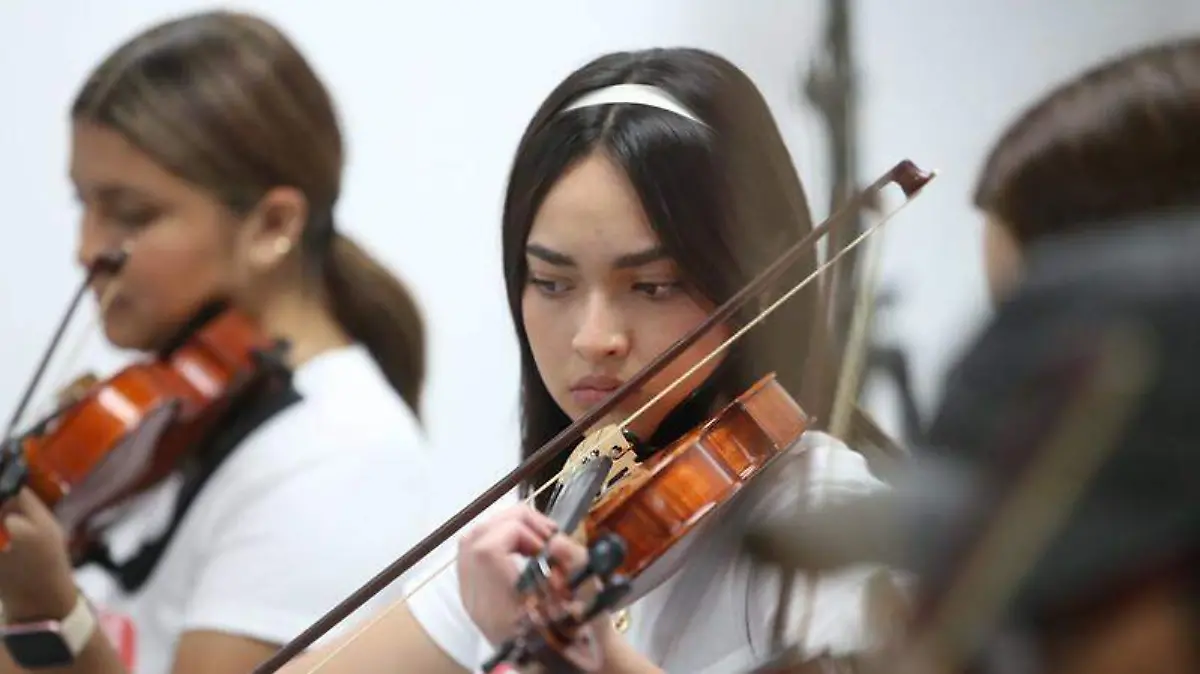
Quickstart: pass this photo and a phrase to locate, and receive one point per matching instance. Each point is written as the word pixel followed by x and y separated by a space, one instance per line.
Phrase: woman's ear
pixel 275 228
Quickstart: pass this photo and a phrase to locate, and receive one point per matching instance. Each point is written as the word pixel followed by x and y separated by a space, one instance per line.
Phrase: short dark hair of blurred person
pixel 1114 146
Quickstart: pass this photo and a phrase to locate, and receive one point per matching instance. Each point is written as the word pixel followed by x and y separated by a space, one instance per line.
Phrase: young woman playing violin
pixel 649 187
pixel 208 152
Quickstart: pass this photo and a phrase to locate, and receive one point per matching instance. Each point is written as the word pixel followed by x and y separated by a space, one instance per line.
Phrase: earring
pixel 282 246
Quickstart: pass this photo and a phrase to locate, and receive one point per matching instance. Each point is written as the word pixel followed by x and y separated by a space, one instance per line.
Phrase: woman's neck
pixel 306 322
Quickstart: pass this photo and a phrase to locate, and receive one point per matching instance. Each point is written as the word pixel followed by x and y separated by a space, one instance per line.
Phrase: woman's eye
pixel 657 291
pixel 134 218
pixel 548 286
pixel 129 217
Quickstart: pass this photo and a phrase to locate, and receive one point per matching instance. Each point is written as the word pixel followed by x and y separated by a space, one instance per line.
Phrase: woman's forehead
pixel 593 212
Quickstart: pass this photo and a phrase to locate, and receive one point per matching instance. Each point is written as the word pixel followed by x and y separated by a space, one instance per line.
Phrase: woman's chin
pixel 125 337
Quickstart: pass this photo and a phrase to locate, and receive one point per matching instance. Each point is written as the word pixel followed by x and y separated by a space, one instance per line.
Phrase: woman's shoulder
pixel 346 439
pixel 826 466
pixel 817 469
pixel 344 412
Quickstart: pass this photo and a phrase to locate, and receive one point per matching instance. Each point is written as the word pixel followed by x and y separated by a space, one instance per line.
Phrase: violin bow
pixel 846 296
pixel 846 419
pixel 904 174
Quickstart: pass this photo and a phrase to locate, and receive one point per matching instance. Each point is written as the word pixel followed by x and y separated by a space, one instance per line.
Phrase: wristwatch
pixel 49 643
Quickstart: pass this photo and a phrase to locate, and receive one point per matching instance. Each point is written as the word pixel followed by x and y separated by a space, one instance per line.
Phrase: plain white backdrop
pixel 434 96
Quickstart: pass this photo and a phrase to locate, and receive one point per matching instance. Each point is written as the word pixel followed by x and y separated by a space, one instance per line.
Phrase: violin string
pixel 359 632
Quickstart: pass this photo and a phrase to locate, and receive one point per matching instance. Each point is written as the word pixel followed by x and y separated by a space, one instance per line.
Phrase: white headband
pixel 637 94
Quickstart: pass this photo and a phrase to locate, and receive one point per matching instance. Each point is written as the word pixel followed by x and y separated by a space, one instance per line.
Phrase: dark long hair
pixel 1116 142
pixel 723 196
pixel 226 102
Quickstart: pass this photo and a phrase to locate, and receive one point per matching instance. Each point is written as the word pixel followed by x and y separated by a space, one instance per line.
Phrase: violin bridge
pixel 610 441
pixel 77 390
pixel 607 441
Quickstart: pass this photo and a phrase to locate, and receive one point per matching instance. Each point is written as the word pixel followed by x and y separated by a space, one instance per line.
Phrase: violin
pixel 115 438
pixel 647 511
pixel 632 507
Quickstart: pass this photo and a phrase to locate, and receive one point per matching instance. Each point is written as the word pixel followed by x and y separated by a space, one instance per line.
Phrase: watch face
pixel 44 648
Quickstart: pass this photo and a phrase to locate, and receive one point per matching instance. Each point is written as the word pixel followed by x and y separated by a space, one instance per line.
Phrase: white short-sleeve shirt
pixel 714 613
pixel 307 508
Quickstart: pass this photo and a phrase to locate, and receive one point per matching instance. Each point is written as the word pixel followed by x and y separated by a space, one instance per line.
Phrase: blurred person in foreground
pixel 1089 200
pixel 1079 487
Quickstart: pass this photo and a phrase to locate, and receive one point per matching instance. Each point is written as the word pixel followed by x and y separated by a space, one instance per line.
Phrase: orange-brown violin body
pixel 659 502
pixel 668 498
pixel 99 450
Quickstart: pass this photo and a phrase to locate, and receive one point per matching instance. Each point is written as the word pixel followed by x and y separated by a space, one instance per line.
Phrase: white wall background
pixel 434 96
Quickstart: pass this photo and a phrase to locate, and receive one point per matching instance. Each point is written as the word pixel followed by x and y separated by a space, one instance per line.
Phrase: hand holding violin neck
pixel 553 630
pixel 576 493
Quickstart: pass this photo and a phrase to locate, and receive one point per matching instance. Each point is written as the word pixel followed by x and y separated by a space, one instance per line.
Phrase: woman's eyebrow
pixel 623 261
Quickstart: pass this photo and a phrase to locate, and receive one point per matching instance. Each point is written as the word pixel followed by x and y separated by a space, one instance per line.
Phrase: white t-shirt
pixel 307 508
pixel 714 613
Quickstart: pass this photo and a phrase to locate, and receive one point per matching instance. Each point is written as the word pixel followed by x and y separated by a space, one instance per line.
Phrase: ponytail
pixel 377 310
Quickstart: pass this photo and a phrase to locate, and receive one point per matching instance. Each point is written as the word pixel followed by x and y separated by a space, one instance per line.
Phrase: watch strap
pixel 79 625
pixel 76 628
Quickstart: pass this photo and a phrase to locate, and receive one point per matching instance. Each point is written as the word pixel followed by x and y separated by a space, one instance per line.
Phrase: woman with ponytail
pixel 208 149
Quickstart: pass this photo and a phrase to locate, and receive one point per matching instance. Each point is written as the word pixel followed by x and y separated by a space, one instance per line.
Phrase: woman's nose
pixel 601 334
pixel 94 248
pixel 90 245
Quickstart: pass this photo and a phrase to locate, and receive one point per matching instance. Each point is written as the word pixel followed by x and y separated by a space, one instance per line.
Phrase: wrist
pixel 52 642
pixel 620 657
pixel 52 601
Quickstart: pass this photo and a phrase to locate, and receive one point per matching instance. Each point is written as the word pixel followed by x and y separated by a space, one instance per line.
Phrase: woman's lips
pixel 593 389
